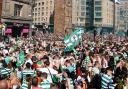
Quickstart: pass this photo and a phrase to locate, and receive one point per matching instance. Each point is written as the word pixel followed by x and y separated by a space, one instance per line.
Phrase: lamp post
pixel 114 16
pixel 92 18
pixel 32 4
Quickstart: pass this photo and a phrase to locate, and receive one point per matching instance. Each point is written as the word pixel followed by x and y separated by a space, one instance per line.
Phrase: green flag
pixel 21 58
pixel 73 39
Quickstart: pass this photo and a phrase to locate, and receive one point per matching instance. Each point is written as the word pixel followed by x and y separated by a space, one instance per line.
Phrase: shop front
pixel 16 28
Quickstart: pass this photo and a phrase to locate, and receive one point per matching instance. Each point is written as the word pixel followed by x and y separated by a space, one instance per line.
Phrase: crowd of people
pixel 32 63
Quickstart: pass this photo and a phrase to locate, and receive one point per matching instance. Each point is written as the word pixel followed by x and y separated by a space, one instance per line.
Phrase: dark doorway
pixel 25 35
pixel 16 31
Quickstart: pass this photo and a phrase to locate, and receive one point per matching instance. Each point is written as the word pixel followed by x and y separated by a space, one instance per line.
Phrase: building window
pixel 35 14
pixel 39 4
pixel 83 8
pixel 42 13
pixel 38 9
pixel 81 19
pixel 98 8
pixel 98 20
pixel 98 14
pixel 42 8
pixel 77 19
pixel 17 9
pixel 82 13
pixel 97 2
pixel 42 3
pixel 35 9
pixel 83 2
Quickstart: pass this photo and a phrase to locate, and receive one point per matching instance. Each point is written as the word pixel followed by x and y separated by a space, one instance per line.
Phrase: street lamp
pixel 114 15
pixel 32 4
pixel 92 18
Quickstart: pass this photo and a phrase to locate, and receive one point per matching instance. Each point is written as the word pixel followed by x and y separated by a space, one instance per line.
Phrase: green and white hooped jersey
pixel 45 85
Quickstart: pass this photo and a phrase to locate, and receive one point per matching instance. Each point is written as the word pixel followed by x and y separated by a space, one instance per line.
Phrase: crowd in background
pixel 32 63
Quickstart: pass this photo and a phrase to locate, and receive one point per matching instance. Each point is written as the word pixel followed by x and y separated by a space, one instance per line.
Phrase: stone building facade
pixel 63 17
pixel 17 15
pixel 42 11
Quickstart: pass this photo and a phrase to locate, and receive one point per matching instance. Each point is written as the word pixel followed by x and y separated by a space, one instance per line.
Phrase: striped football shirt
pixel 28 72
pixel 45 84
pixel 24 85
pixel 5 71
pixel 107 82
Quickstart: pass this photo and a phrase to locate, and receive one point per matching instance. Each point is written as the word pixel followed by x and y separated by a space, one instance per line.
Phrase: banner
pixel 73 39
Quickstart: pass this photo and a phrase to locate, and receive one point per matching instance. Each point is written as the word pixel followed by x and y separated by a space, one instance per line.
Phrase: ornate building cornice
pixel 23 1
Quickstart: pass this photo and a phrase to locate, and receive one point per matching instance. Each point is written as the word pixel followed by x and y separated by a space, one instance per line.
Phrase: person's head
pixel 44 75
pixel 103 70
pixel 47 63
pixel 19 68
pixel 109 71
pixel 123 62
pixel 4 64
pixel 66 73
pixel 54 86
pixel 119 86
pixel 97 64
pixel 79 85
pixel 34 59
pixel 45 57
pixel 3 84
pixel 28 65
pixel 67 63
pixel 83 69
pixel 28 77
pixel 72 61
pixel 35 81
pixel 38 74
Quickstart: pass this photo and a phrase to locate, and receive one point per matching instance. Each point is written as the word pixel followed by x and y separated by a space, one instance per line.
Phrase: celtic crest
pixel 74 38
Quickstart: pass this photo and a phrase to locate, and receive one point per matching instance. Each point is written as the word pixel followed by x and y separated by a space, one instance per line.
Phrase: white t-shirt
pixel 95 70
pixel 49 72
